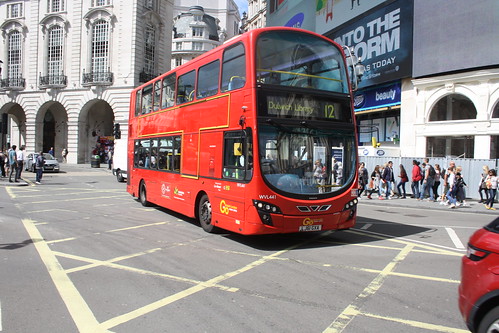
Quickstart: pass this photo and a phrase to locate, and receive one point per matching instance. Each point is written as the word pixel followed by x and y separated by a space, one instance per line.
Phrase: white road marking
pixel 455 239
pixel 366 226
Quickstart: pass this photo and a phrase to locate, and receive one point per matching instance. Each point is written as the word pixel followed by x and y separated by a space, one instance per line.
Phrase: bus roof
pixel 249 35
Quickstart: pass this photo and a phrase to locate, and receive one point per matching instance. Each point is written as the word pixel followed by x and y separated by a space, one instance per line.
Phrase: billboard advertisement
pixel 460 35
pixel 378 97
pixel 383 40
pixel 330 14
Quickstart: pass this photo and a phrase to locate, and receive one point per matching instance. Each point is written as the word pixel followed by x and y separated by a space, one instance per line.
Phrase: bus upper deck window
pixel 157 95
pixel 185 87
pixel 138 101
pixel 233 68
pixel 168 95
pixel 147 99
pixel 208 79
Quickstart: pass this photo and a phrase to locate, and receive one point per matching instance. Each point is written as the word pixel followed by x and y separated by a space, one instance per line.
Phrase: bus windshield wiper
pixel 279 126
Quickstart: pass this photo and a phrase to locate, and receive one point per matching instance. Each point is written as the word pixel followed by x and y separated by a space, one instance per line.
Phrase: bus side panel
pixel 206 114
pixel 158 123
pixel 189 164
pixel 228 207
pixel 210 160
pixel 166 190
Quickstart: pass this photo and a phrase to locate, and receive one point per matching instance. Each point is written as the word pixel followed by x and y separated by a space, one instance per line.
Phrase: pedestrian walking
pixel 452 166
pixel 451 181
pixel 492 187
pixel 428 180
pixel 403 179
pixel 416 178
pixel 64 154
pixel 39 163
pixel 482 185
pixel 388 178
pixel 363 178
pixel 12 163
pixel 20 162
pixel 109 158
pixel 436 184
pixel 2 164
pixel 374 182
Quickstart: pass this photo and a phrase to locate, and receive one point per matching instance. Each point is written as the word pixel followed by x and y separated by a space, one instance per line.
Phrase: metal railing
pixel 53 81
pixel 145 77
pixel 97 78
pixel 18 83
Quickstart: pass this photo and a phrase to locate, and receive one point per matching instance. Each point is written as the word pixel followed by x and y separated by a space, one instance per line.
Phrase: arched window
pixel 100 47
pixel 453 107
pixel 495 113
pixel 150 50
pixel 14 68
pixel 55 48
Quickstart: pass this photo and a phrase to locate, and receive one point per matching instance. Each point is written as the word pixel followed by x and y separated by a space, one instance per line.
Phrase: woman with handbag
pixel 482 186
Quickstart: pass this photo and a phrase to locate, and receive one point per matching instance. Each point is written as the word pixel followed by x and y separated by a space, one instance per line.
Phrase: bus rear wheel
pixel 204 214
pixel 143 195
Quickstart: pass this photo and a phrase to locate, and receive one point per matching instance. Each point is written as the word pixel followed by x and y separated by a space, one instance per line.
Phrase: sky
pixel 243 6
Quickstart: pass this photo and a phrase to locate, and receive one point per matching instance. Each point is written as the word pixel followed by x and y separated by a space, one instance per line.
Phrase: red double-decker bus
pixel 256 136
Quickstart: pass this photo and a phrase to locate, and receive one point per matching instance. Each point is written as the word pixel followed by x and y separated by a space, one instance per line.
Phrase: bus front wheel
pixel 143 195
pixel 119 176
pixel 204 214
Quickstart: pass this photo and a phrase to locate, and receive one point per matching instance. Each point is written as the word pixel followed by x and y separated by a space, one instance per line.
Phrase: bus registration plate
pixel 316 227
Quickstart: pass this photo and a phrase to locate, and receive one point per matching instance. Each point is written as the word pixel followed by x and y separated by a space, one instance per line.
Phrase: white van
pixel 120 159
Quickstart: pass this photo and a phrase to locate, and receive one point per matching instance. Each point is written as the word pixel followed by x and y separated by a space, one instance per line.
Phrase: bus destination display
pixel 303 107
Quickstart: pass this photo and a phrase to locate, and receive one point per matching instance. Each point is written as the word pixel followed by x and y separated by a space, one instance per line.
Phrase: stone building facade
pixel 69 66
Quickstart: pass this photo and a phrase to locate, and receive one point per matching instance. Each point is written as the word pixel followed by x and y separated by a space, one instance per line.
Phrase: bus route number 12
pixel 329 111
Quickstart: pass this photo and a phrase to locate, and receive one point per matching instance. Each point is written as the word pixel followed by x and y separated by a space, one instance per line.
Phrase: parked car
pixel 51 164
pixel 479 288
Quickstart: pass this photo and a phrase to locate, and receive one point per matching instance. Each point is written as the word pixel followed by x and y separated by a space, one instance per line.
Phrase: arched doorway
pixel 13 131
pixel 48 131
pixel 95 130
pixel 51 128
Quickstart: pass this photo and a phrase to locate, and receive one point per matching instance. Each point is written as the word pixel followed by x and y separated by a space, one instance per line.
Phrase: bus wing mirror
pixel 356 68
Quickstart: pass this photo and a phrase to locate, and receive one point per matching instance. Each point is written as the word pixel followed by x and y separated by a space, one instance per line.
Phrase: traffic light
pixel 117 131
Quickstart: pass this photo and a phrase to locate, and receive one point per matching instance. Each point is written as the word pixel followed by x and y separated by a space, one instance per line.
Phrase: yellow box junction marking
pixel 77 307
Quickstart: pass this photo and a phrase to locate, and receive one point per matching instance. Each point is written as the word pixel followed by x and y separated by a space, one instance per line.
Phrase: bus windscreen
pixel 295 59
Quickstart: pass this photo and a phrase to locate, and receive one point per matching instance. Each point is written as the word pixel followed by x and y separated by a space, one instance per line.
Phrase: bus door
pixel 237 171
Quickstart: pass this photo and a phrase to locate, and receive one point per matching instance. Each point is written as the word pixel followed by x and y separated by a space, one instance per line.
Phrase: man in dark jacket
pixel 388 178
pixel 39 162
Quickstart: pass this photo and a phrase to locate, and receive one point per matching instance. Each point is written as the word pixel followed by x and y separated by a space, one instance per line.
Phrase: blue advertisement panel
pixel 378 97
pixel 291 13
pixel 383 40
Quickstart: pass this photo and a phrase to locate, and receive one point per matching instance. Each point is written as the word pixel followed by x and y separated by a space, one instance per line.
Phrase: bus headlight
pixel 350 205
pixel 264 210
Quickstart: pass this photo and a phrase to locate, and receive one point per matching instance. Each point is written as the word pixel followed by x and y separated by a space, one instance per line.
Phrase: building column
pixel 482 147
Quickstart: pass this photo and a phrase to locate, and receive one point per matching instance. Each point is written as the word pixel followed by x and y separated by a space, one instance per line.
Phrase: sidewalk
pixel 472 206
pixel 28 178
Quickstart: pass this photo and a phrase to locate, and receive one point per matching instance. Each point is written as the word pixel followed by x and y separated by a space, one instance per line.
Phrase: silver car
pixel 51 163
